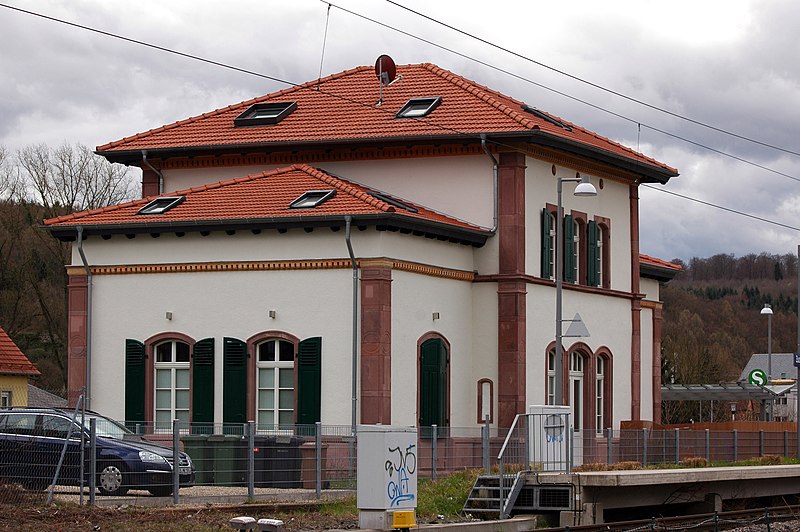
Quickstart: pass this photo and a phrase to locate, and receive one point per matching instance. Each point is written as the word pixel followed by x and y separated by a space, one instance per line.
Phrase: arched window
pixel 171 400
pixel 275 384
pixel 434 362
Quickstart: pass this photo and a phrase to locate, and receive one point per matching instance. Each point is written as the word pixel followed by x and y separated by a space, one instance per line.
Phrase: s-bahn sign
pixel 757 377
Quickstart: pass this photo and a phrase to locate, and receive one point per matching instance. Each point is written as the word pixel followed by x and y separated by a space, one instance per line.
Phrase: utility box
pixel 387 475
pixel 549 437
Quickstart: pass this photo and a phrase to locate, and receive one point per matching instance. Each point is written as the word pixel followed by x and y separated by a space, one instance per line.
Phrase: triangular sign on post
pixel 577 329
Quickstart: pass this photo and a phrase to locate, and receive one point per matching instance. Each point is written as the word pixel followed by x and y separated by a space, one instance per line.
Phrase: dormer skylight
pixel 265 114
pixel 393 202
pixel 419 107
pixel 544 116
pixel 161 205
pixel 312 198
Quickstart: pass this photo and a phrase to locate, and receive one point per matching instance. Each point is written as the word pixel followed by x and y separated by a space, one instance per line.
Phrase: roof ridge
pixel 358 192
pixel 488 95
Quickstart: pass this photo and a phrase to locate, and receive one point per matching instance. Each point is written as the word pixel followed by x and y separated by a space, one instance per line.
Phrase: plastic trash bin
pixel 228 459
pixel 277 462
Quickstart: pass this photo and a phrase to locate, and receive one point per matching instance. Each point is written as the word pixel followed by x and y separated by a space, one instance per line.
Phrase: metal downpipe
pixel 354 401
pixel 88 396
pixel 153 168
pixel 495 197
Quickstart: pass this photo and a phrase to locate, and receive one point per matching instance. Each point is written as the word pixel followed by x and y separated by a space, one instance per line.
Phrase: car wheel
pixel 110 480
pixel 160 491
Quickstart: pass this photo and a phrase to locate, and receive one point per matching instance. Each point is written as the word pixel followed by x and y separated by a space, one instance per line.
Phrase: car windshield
pixel 106 428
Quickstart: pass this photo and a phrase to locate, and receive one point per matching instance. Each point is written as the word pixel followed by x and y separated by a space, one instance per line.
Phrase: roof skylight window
pixel 312 198
pixel 418 107
pixel 546 117
pixel 161 205
pixel 265 114
pixel 393 202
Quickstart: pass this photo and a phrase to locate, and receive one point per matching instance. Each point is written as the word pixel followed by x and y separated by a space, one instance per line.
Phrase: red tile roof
pixel 342 108
pixel 652 261
pixel 263 198
pixel 12 360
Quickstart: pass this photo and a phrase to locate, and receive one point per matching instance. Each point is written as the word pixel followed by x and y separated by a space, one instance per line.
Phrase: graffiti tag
pixel 398 468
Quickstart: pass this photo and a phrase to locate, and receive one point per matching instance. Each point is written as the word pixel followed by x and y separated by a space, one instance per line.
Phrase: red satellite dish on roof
pixel 385 69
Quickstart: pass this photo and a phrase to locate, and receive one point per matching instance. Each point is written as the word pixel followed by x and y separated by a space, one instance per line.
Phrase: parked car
pixel 32 442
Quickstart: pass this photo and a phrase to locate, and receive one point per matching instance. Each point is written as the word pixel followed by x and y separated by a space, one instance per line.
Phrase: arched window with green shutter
pixel 234 381
pixel 309 380
pixel 134 383
pixel 203 386
pixel 433 370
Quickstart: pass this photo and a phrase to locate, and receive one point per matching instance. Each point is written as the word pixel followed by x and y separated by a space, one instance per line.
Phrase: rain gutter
pixel 88 397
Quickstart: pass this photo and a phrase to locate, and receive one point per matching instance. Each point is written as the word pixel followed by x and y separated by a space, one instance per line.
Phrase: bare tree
pixel 72 178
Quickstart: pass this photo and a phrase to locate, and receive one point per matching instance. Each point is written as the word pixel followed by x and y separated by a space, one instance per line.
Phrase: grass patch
pixel 445 496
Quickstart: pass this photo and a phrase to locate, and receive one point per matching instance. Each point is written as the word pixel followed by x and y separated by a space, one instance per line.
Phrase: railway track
pixel 773 519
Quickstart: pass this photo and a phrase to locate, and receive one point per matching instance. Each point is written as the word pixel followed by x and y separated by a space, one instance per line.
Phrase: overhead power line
pixel 556 91
pixel 727 209
pixel 316 89
pixel 596 85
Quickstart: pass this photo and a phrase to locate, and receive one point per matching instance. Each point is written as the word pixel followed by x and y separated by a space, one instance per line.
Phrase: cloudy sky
pixel 733 65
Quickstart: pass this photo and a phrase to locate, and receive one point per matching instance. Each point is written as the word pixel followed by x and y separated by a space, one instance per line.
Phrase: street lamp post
pixel 583 189
pixel 767 311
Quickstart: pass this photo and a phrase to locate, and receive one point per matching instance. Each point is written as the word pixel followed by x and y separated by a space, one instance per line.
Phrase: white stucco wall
pixel 612 201
pixel 307 303
pixel 414 299
pixel 459 186
pixel 609 324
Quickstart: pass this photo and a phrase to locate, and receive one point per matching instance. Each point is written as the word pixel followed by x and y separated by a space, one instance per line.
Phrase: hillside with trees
pixel 36 183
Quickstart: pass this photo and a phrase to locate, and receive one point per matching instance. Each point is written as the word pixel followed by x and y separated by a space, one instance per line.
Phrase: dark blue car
pixel 32 440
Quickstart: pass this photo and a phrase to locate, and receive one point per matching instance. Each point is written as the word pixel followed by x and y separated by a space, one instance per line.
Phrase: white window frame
pixel 576 389
pixel 600 399
pixel 177 370
pixel 276 366
pixel 551 378
pixel 6 399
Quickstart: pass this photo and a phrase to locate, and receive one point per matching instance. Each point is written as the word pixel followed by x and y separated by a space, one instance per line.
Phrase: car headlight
pixel 147 456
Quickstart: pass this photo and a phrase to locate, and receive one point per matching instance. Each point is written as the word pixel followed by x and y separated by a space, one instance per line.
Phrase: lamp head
pixel 767 310
pixel 585 188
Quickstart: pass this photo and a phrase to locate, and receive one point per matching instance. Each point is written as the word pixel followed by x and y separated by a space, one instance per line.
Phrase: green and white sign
pixel 757 377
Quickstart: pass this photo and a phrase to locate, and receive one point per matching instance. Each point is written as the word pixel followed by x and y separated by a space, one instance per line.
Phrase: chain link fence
pixel 45 457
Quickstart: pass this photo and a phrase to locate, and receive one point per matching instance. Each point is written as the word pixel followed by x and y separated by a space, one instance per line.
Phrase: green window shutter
pixel 203 383
pixel 547 249
pixel 433 384
pixel 234 381
pixel 309 380
pixel 592 255
pixel 134 382
pixel 569 249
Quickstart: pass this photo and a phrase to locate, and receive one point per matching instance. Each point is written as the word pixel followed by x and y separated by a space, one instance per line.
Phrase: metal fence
pixel 235 463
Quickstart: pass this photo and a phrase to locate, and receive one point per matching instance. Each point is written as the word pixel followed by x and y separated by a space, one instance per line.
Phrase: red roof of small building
pixel 263 198
pixel 12 360
pixel 653 261
pixel 342 108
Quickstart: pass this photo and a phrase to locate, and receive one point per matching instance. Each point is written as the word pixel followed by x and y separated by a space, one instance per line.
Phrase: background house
pixel 347 252
pixel 15 372
pixel 784 377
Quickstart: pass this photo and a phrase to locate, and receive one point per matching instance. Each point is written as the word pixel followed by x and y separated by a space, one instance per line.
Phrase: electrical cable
pixel 296 85
pixel 596 85
pixel 555 91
